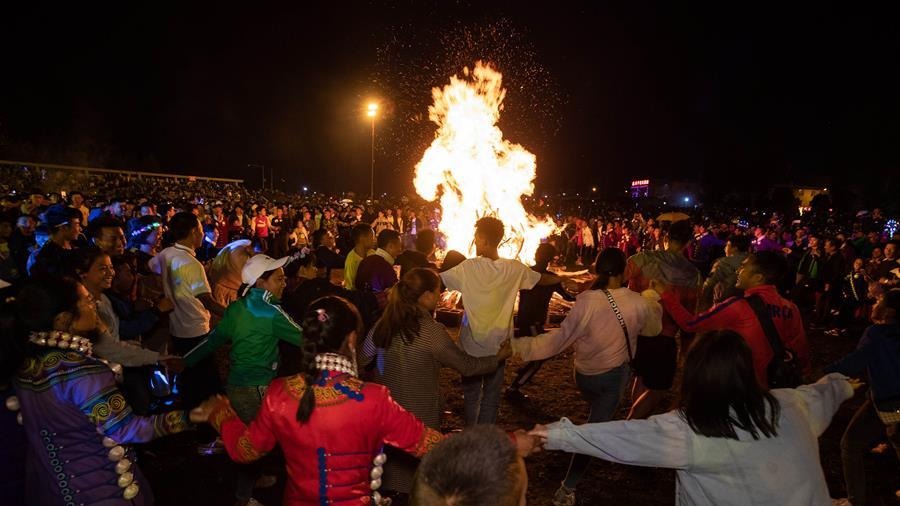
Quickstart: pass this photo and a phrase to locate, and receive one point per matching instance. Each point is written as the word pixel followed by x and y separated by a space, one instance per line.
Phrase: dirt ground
pixel 180 477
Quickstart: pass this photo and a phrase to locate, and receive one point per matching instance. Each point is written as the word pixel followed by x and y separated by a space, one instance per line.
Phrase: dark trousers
pixel 527 370
pixel 603 392
pixel 864 429
pixel 847 313
pixel 199 382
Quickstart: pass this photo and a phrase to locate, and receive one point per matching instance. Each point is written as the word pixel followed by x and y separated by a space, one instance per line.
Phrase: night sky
pixel 600 94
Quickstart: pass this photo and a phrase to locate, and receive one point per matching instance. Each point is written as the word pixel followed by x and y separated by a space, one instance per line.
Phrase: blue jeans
pixel 603 392
pixel 482 396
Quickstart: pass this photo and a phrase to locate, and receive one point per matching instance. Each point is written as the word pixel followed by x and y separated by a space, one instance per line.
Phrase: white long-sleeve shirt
pixel 109 346
pixel 783 470
pixel 592 327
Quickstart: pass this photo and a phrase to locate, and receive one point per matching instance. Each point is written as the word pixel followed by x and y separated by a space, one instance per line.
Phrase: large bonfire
pixel 473 171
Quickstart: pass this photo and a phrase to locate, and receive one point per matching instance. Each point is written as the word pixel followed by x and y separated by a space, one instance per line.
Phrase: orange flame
pixel 474 171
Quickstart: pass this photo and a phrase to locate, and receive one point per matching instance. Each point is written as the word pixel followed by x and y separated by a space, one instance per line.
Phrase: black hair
pixel 326 325
pixel 772 266
pixel 680 232
pixel 34 309
pixel 837 243
pixel 358 231
pixel 386 237
pixel 425 241
pixel 317 237
pixel 82 261
pixel 740 242
pixel 544 254
pixel 182 224
pixel 476 467
pixel 491 229
pixel 720 392
pixel 401 314
pixel 99 223
pixel 611 262
pixel 892 301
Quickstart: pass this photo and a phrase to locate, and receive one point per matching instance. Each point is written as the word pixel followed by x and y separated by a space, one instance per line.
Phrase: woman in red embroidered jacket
pixel 331 426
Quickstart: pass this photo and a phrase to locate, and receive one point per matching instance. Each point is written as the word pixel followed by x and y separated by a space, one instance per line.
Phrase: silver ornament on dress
pixel 12 403
pixel 109 442
pixel 116 453
pixel 125 479
pixel 380 459
pixel 123 466
pixel 130 491
pixel 376 484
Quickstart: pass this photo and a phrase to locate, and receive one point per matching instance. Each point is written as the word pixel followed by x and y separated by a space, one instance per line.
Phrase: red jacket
pixel 329 457
pixel 737 315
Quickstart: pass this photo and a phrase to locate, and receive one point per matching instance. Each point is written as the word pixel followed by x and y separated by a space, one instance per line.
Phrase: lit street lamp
pixel 372 112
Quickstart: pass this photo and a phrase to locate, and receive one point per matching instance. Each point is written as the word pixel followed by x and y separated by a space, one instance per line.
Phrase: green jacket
pixel 253 324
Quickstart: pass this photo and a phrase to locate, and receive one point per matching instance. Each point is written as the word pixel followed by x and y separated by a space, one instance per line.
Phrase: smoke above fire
pixel 472 171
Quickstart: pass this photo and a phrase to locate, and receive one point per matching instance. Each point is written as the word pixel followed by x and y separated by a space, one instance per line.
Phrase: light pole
pixel 372 112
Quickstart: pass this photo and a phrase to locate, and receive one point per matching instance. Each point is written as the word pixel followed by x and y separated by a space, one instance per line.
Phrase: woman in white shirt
pixel 731 442
pixel 603 346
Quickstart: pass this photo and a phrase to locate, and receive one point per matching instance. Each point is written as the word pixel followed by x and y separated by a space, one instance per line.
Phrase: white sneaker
pixel 564 497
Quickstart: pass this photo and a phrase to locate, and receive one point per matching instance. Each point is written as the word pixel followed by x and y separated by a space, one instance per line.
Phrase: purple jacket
pixel 79 428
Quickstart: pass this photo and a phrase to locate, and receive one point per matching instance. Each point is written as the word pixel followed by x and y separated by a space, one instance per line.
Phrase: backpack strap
pixel 615 308
pixel 765 320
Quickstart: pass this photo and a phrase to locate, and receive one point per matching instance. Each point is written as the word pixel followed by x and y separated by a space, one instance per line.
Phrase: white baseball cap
pixel 258 264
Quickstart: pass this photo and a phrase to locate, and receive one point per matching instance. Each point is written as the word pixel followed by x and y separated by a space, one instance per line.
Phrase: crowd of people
pixel 125 298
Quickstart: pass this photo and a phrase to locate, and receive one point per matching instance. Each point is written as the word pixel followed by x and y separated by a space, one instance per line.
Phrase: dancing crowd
pixel 137 309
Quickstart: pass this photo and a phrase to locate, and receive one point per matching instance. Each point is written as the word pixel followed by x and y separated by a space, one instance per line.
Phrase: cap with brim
pixel 58 215
pixel 258 264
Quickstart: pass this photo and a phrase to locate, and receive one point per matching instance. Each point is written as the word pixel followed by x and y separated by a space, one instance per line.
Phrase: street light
pixel 371 112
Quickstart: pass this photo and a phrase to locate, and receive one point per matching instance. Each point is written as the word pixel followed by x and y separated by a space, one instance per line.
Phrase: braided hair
pixel 326 325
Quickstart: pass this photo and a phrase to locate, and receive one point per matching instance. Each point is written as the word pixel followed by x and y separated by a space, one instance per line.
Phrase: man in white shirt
pixel 185 284
pixel 489 285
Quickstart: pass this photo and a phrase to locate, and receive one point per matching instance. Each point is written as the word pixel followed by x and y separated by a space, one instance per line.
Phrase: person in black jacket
pixel 532 314
pixel 831 276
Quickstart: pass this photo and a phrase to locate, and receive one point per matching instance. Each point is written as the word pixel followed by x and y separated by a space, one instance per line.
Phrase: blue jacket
pixel 878 354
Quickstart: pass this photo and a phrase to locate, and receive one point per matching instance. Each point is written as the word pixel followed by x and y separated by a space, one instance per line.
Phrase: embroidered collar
pixel 336 363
